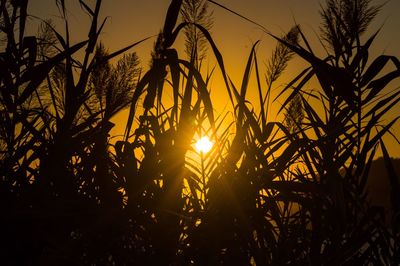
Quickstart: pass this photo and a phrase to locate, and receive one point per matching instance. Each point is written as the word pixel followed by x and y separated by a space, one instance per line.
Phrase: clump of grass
pixel 272 193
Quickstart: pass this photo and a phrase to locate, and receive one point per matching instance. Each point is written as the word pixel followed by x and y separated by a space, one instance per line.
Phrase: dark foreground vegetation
pixel 273 193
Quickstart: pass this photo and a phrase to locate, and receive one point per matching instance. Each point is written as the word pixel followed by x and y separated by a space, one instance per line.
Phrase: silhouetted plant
pixel 268 193
pixel 196 11
pixel 294 115
pixel 341 144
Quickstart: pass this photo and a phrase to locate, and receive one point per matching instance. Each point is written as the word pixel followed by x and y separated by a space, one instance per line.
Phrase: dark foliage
pixel 270 194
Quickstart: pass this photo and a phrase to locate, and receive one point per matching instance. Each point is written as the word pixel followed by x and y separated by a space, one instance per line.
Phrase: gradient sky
pixel 133 20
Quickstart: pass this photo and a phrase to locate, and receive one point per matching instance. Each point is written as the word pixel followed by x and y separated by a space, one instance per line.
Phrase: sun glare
pixel 204 145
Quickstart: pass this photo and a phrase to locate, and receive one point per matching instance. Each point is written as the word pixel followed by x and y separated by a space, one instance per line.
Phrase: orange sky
pixel 133 20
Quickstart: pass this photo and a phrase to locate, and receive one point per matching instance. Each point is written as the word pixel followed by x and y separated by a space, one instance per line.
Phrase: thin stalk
pixel 203 176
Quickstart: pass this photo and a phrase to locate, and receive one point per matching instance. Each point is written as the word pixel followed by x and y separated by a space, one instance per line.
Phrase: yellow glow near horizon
pixel 204 145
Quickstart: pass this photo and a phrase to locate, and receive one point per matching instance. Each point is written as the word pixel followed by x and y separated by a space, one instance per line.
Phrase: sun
pixel 204 145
